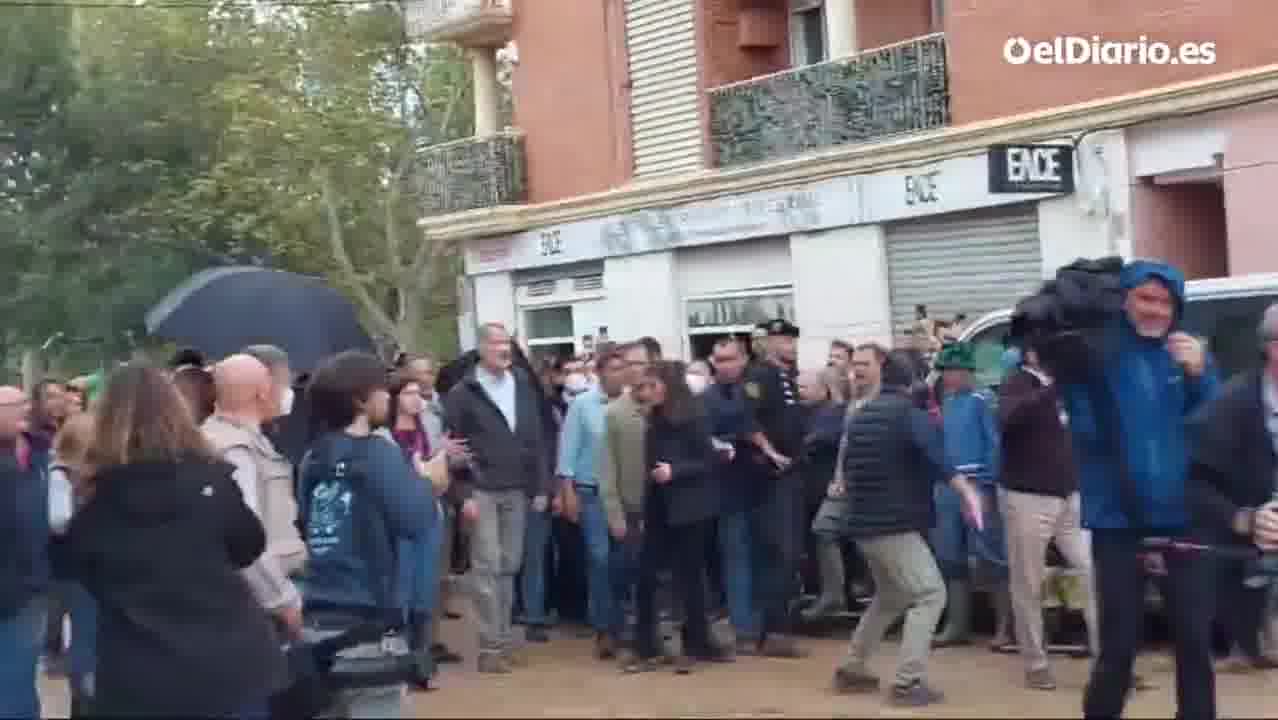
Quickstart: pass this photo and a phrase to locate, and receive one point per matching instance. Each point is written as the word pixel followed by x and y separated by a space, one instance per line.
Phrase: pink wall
pixel 1180 224
pixel 1251 180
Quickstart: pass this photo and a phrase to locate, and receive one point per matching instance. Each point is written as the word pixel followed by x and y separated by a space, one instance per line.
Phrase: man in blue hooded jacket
pixel 1127 420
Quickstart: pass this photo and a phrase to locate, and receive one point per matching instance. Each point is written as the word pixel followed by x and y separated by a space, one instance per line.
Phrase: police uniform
pixel 773 396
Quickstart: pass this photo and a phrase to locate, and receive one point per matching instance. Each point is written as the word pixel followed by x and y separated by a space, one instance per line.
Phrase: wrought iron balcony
pixel 895 89
pixel 469 23
pixel 470 174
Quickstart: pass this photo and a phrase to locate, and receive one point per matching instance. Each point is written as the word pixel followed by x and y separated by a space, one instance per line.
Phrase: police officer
pixel 772 393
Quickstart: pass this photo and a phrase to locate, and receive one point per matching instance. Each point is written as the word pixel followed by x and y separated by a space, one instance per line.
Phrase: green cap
pixel 956 356
pixel 92 388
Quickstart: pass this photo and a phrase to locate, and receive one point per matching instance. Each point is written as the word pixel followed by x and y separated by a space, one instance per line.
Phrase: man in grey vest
pixel 247 397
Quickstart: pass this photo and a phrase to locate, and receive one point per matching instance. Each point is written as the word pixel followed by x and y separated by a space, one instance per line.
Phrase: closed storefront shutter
pixel 664 107
pixel 969 263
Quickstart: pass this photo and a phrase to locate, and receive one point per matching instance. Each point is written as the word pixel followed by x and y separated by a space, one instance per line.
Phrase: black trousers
pixel 682 548
pixel 774 553
pixel 1240 609
pixel 1189 592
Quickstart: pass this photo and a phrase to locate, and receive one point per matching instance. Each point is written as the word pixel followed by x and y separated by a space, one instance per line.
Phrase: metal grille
pixel 471 173
pixel 895 89
pixel 963 263
pixel 588 283
pixel 541 288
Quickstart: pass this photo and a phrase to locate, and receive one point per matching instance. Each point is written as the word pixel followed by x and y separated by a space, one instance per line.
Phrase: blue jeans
pixel 418 559
pixel 84 639
pixel 953 540
pixel 605 611
pixel 532 581
pixel 738 575
pixel 623 570
pixel 21 640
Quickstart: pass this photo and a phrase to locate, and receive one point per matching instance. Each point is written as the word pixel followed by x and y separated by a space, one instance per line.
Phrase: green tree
pixel 327 105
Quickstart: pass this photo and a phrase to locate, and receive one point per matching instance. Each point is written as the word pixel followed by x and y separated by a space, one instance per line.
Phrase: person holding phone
pixel 679 506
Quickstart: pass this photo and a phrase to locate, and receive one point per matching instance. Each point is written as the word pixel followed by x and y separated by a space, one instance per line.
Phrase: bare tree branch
pixel 337 241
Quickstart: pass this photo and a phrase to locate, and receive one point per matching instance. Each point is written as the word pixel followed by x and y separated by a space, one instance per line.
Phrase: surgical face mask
pixel 697 383
pixel 286 401
pixel 575 384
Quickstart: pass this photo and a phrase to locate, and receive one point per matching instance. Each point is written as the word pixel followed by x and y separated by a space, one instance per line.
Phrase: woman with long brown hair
pixel 680 503
pixel 159 544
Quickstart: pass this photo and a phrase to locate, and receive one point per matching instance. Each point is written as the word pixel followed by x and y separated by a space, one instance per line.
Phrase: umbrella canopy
pixel 223 310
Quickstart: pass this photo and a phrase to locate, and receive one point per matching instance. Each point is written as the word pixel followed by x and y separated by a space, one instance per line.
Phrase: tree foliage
pixel 139 145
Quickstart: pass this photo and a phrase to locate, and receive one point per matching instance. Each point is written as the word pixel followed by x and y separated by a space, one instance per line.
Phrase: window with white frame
pixel 808 42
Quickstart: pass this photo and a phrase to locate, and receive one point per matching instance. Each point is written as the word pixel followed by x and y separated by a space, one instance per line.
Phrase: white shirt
pixel 501 390
pixel 61 500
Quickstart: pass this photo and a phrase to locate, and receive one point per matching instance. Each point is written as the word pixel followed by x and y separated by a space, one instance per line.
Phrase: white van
pixel 1225 311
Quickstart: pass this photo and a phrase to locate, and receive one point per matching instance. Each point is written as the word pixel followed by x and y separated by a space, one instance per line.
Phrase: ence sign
pixel 1031 168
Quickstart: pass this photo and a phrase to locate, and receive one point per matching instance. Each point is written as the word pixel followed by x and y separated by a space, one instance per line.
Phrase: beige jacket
pixel 266 479
pixel 623 476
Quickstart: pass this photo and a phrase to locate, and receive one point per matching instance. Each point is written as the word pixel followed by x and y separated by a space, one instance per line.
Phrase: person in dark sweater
pixel 1231 489
pixel 680 504
pixel 1040 505
pixel 160 544
pixel 892 458
pixel 24 543
pixel 497 410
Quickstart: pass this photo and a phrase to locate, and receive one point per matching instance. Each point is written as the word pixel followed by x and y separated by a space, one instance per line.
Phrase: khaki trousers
pixel 1032 521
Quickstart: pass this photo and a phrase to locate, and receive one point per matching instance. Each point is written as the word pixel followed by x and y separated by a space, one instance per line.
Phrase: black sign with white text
pixel 1031 168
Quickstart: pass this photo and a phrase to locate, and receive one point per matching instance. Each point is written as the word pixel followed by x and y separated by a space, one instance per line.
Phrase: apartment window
pixel 807 32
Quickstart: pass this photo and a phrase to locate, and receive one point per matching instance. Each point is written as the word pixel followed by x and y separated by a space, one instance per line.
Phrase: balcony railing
pixel 895 89
pixel 472 173
pixel 470 23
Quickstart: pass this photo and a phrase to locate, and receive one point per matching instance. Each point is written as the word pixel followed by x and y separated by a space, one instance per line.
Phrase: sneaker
pixel 632 664
pixel 493 664
pixel 850 679
pixel 683 665
pixel 536 634
pixel 916 694
pixel 747 647
pixel 1040 679
pixel 781 646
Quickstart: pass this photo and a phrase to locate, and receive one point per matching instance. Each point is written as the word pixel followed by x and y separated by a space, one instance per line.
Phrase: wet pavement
pixel 562 680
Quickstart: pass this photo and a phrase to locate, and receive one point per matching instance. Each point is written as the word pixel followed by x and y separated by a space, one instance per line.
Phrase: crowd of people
pixel 194 521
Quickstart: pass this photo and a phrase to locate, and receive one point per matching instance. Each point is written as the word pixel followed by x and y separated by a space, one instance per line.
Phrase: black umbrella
pixel 222 310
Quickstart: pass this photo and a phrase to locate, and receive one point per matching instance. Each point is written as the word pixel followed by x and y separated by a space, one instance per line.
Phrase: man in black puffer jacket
pixel 894 453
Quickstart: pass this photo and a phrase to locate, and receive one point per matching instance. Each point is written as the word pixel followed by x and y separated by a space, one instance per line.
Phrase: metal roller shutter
pixel 969 263
pixel 664 107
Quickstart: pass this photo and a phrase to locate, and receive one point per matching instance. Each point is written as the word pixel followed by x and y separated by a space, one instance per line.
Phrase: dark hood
pixel 1139 272
pixel 158 493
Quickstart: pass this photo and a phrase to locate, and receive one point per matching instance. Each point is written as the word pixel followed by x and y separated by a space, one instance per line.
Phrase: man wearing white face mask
pixel 249 394
pixel 698 376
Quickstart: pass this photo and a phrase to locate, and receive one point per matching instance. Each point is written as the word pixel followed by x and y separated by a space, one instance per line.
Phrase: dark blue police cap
pixel 780 326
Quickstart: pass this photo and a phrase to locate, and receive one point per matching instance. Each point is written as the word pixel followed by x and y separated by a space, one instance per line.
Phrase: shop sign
pixel 1031 168
pixel 955 185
